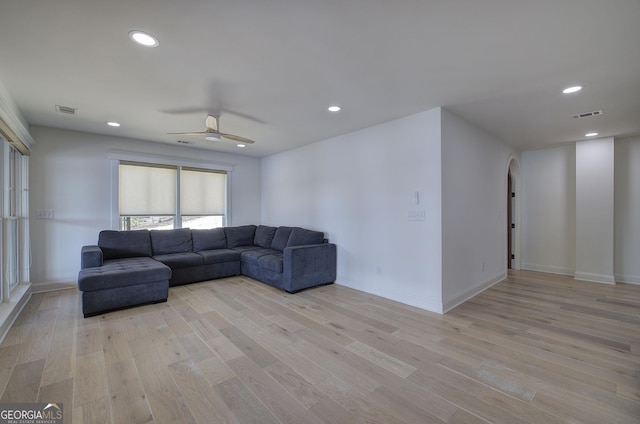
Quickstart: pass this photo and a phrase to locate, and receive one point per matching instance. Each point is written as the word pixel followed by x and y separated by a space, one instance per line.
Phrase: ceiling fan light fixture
pixel 143 38
pixel 212 137
pixel 242 145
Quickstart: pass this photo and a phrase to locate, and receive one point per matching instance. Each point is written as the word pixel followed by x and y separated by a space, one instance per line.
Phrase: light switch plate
pixel 44 213
pixel 416 215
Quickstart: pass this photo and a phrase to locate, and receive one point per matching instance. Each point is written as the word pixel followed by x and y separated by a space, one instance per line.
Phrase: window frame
pixel 115 157
pixel 15 261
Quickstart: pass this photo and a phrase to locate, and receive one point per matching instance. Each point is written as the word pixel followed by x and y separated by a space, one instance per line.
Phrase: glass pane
pixel 202 221
pixel 11 270
pixel 146 222
pixel 147 190
pixel 202 192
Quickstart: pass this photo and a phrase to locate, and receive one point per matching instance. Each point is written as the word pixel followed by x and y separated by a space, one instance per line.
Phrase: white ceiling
pixel 271 68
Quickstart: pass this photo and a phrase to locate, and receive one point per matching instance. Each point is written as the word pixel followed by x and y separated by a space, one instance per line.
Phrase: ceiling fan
pixel 213 134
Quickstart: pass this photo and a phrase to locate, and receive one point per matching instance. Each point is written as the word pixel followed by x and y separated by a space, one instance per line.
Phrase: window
pixel 202 198
pixel 147 196
pixel 166 196
pixel 14 228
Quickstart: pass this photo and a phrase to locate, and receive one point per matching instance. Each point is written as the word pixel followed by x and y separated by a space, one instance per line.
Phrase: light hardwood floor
pixel 535 348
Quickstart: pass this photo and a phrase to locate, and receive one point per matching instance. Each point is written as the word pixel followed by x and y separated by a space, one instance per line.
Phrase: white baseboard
pixel 594 278
pixel 548 269
pixel 418 301
pixel 628 279
pixel 47 287
pixel 458 300
pixel 9 311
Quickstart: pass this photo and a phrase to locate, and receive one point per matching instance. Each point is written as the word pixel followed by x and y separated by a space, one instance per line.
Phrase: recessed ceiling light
pixel 113 124
pixel 591 134
pixel 143 38
pixel 573 89
pixel 334 108
pixel 242 145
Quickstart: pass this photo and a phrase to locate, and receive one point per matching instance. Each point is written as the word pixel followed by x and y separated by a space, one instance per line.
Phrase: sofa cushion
pixel 264 236
pixel 240 236
pixel 123 272
pixel 271 262
pixel 171 241
pixel 124 244
pixel 241 249
pixel 281 238
pixel 208 239
pixel 255 254
pixel 301 237
pixel 219 256
pixel 180 260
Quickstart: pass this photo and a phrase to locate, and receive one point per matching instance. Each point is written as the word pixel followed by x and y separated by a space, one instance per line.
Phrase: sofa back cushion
pixel 164 242
pixel 124 244
pixel 240 236
pixel 210 239
pixel 280 238
pixel 301 236
pixel 264 236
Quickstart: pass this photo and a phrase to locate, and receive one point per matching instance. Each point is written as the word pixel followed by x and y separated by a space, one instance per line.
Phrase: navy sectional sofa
pixel 128 268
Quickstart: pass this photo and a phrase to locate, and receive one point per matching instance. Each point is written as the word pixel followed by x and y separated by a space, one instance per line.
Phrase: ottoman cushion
pixel 121 273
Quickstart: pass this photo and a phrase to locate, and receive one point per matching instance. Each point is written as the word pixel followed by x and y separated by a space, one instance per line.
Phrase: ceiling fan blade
pixel 237 138
pixel 188 133
pixel 212 123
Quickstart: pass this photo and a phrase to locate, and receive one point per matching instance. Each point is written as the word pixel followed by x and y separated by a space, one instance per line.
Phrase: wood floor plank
pixel 534 348
pixel 243 404
pixel 284 407
pixel 128 397
pixel 205 405
pixel 90 383
pixel 38 341
pixel 60 362
pixel 330 413
pixel 215 370
pixel 24 383
pixel 258 354
pixel 8 357
pixel 97 411
pixel 357 405
pixel 302 390
pixel 60 392
pixel 385 361
pixel 168 406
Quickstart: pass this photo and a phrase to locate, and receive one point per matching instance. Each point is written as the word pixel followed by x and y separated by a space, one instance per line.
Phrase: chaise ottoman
pixel 121 283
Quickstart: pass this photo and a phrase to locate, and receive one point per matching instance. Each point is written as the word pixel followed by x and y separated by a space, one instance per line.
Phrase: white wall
pixel 594 210
pixel 474 204
pixel 358 188
pixel 627 210
pixel 549 210
pixel 69 173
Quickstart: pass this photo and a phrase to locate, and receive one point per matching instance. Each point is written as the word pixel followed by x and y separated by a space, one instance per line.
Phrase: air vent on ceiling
pixel 66 109
pixel 588 114
pixel 185 142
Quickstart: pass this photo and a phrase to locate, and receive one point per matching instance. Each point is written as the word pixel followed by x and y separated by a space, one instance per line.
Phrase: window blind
pixel 147 190
pixel 202 192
